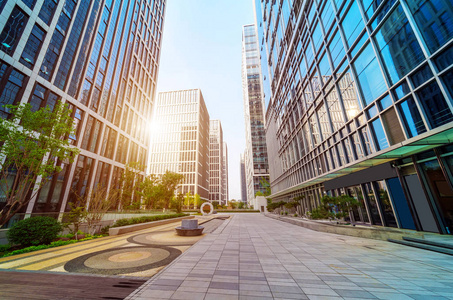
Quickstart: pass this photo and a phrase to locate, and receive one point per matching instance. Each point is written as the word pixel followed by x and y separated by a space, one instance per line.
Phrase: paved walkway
pixel 251 256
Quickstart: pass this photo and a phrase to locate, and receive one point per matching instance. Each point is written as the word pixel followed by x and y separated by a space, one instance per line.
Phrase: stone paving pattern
pixel 251 256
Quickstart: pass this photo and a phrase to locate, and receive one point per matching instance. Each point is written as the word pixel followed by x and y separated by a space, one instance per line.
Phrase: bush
pixel 296 215
pixel 34 231
pixel 145 219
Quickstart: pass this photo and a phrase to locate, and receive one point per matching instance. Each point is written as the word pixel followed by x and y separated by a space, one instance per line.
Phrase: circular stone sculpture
pixel 210 206
pixel 189 228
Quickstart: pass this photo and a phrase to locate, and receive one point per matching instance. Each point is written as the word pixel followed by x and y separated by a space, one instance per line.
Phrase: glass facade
pixel 256 158
pixel 99 57
pixel 354 82
pixel 181 141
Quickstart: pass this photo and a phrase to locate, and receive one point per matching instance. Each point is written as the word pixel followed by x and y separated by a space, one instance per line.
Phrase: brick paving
pixel 251 256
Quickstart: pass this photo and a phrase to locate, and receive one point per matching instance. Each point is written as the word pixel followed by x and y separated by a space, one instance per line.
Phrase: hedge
pixel 146 219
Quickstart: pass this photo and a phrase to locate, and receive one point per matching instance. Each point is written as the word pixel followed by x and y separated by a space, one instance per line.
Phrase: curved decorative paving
pixel 123 260
pixel 163 238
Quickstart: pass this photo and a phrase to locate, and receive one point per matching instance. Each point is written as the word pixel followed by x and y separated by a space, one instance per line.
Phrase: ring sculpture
pixel 210 206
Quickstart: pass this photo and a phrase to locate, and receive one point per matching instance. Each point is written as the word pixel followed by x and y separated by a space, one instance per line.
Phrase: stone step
pixel 428 242
pixel 423 246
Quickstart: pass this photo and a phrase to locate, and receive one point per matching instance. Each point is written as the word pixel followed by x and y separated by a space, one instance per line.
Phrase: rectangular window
pixel 398 46
pixel 352 24
pixel 435 21
pixel 29 3
pixel 369 75
pixel 33 46
pixel 14 27
pixel 47 11
pixel 379 134
pixel 11 90
pixel 412 118
pixel 434 104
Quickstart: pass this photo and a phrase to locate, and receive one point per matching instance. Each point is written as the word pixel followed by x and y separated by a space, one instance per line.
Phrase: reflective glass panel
pixel 421 76
pixel 373 206
pixel 381 140
pixel 384 198
pixel 434 104
pixel 369 74
pixel 445 59
pixel 12 31
pixel 352 24
pixel 411 117
pixel 435 21
pixel 398 46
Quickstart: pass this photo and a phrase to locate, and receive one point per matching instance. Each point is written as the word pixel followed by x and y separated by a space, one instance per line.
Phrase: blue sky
pixel 201 48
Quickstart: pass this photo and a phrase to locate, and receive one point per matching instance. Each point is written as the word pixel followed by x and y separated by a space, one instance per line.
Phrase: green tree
pixel 189 200
pixel 170 181
pixel 197 200
pixel 99 201
pixel 151 191
pixel 233 204
pixel 177 202
pixel 241 205
pixel 33 146
pixel 130 186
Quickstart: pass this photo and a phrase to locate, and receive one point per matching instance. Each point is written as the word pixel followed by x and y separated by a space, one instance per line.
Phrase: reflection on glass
pixel 434 104
pixel 398 46
pixel 379 134
pixel 440 189
pixel 373 204
pixel 401 90
pixel 349 95
pixel 412 118
pixel 352 24
pixel 384 198
pixel 369 75
pixel 434 19
pixel 445 59
pixel 421 76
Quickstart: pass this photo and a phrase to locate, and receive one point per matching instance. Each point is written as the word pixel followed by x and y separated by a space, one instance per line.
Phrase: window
pixel 12 31
pixel 29 3
pixel 369 75
pixel 412 118
pixel 398 46
pixel 352 24
pixel 379 134
pixel 434 104
pixel 12 89
pixel 47 11
pixel 31 50
pixel 435 21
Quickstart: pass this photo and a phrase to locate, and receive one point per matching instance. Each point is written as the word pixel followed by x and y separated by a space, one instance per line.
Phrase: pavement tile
pixel 224 285
pixel 355 294
pixel 321 292
pixel 188 296
pixel 210 296
pixel 289 296
pixel 223 291
pixel 391 296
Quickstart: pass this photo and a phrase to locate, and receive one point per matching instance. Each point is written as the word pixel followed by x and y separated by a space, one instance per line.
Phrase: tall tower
pixel 243 181
pixel 225 174
pixel 256 160
pixel 99 57
pixel 215 161
pixel 180 140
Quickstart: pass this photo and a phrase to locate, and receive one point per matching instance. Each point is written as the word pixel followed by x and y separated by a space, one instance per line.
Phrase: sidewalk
pixel 254 257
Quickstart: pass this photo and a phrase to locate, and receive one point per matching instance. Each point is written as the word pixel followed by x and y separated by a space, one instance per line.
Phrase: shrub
pixel 286 213
pixel 145 219
pixel 34 231
pixel 296 215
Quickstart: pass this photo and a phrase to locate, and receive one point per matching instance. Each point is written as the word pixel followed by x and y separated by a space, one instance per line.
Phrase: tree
pixel 130 186
pixel 189 200
pixel 150 190
pixel 177 202
pixel 170 181
pixel 99 201
pixel 33 146
pixel 197 200
pixel 241 205
pixel 233 204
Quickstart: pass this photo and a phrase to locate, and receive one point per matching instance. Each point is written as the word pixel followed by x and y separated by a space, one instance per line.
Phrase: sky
pixel 201 48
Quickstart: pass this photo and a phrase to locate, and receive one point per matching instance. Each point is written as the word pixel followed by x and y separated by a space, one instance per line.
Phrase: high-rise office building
pixel 215 161
pixel 180 140
pixel 99 57
pixel 225 174
pixel 361 104
pixel 256 161
pixel 243 181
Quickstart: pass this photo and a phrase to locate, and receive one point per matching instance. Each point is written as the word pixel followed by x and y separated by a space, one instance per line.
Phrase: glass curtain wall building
pixel 225 174
pixel 99 57
pixel 243 182
pixel 215 161
pixel 256 161
pixel 180 140
pixel 361 104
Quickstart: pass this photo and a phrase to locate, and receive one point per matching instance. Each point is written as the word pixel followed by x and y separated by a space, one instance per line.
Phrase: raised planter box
pixel 371 232
pixel 136 227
